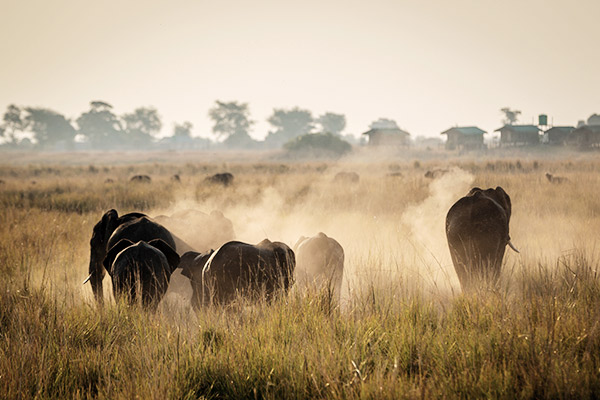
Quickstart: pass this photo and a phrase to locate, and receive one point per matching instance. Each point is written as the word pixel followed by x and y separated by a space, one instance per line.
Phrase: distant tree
pixel 232 122
pixel 183 130
pixel 510 116
pixel 288 125
pixel 594 119
pixel 141 125
pixel 100 126
pixel 49 127
pixel 384 123
pixel 318 145
pixel 333 123
pixel 12 122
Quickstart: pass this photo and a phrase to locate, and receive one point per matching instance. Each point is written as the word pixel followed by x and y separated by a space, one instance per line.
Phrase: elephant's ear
pixel 170 254
pixel 473 191
pixel 102 231
pixel 504 199
pixel 112 253
pixel 193 263
pixel 299 242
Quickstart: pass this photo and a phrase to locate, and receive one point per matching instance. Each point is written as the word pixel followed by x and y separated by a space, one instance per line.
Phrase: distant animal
pixel 176 178
pixel 237 268
pixel 556 179
pixel 395 174
pixel 111 229
pixel 436 173
pixel 200 230
pixel 2 182
pixel 224 178
pixel 319 263
pixel 108 180
pixel 477 233
pixel 141 179
pixel 350 177
pixel 143 266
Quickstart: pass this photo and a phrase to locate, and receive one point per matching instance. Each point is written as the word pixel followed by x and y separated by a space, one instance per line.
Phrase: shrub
pixel 318 144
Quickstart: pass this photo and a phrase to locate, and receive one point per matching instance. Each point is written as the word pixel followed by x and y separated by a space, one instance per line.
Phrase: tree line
pixel 100 128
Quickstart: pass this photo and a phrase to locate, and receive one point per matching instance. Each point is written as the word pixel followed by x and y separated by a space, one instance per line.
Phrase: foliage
pixel 384 123
pixel 183 130
pixel 510 116
pixel 318 144
pixel 141 125
pixel 231 122
pixel 49 127
pixel 288 124
pixel 100 126
pixel 332 123
pixel 13 122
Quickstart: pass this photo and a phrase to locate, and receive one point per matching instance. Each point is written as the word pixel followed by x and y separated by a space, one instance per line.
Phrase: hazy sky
pixel 429 65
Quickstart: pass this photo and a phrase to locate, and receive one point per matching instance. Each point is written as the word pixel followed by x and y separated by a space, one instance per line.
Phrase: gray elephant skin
pixel 237 268
pixel 319 263
pixel 110 230
pixel 477 232
pixel 146 266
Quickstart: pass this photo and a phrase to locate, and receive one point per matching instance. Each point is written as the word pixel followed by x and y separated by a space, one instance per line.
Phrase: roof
pixel 565 129
pixel 465 130
pixel 387 131
pixel 520 128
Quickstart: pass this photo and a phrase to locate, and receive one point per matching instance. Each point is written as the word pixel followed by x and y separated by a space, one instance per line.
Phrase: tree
pixel 49 127
pixel 141 125
pixel 232 122
pixel 183 130
pixel 510 116
pixel 100 125
pixel 594 119
pixel 318 145
pixel 333 123
pixel 288 125
pixel 384 123
pixel 13 122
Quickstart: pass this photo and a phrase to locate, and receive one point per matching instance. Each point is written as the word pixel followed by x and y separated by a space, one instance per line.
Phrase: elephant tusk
pixel 512 246
pixel 87 279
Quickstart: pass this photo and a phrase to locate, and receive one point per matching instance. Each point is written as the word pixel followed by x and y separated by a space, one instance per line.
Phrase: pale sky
pixel 429 65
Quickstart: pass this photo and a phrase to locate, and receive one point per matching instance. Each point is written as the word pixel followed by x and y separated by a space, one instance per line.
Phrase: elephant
pixel 111 229
pixel 225 178
pixel 556 179
pixel 237 268
pixel 477 233
pixel 141 179
pixel 320 262
pixel 147 264
pixel 350 177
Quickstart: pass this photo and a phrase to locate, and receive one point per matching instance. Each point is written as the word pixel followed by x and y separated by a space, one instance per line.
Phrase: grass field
pixel 403 328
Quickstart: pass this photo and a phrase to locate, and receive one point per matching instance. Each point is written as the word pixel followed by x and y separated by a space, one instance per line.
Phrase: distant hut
pixel 585 137
pixel 557 135
pixel 388 137
pixel 519 135
pixel 464 138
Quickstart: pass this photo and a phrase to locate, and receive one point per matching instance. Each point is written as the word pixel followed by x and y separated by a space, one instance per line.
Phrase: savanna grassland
pixel 403 328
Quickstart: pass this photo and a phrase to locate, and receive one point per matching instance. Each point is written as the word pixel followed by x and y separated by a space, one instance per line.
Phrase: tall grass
pixel 395 335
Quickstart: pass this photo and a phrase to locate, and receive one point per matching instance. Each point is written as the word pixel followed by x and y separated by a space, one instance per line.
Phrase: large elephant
pixel 319 263
pixel 111 229
pixel 237 268
pixel 147 265
pixel 477 232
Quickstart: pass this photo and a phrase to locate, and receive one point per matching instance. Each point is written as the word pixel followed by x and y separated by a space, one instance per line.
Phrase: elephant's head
pixel 498 195
pixel 101 233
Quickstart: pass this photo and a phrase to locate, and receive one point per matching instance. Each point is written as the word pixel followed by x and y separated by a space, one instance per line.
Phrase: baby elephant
pixel 141 266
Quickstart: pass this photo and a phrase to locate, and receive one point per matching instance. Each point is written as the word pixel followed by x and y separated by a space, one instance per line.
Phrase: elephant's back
pixel 141 258
pixel 475 215
pixel 141 229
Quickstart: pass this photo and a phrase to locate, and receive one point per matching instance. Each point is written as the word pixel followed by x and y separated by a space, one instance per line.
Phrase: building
pixel 557 135
pixel 585 137
pixel 519 135
pixel 388 137
pixel 464 138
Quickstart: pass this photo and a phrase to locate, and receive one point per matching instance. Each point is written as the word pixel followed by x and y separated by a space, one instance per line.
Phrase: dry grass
pixel 403 330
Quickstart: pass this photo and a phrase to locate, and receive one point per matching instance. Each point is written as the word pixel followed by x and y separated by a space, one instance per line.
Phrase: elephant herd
pixel 140 255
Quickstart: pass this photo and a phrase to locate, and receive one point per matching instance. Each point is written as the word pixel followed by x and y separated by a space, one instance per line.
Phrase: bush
pixel 318 144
